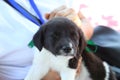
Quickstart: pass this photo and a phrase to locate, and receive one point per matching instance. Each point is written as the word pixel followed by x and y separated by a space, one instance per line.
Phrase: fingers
pixel 87 28
pixel 63 11
pixel 81 16
pixel 79 67
pixel 60 11
pixel 78 18
pixel 52 75
pixel 56 12
pixel 47 15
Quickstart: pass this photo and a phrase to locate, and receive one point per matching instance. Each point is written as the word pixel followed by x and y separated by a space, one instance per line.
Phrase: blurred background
pixel 102 12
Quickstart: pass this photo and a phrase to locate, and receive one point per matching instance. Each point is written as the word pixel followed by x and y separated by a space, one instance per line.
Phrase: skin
pixel 78 18
pixel 80 21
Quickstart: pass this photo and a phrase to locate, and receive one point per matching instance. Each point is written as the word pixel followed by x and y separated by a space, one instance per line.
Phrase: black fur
pixel 95 67
pixel 57 33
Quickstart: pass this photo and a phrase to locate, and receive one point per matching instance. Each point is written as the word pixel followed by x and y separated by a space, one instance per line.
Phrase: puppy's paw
pixel 73 63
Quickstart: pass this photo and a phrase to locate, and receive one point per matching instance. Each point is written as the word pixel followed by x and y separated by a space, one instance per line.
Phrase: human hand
pixel 64 11
pixel 78 18
pixel 86 26
pixel 52 75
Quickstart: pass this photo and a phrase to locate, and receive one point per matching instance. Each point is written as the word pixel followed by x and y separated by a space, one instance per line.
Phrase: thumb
pixel 81 16
pixel 47 15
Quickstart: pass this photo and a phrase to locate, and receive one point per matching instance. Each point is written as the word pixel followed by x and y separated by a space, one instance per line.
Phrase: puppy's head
pixel 61 37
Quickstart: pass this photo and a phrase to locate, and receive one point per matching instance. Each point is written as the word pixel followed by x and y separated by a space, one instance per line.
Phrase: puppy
pixel 59 44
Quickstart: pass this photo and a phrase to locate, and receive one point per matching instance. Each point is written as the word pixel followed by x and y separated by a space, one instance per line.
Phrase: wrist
pixel 87 29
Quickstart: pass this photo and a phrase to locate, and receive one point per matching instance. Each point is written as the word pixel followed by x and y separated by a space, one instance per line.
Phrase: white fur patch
pixel 84 74
pixel 72 51
pixel 45 60
pixel 107 70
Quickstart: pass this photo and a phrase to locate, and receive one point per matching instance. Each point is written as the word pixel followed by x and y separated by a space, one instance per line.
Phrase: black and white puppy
pixel 58 46
pixel 59 43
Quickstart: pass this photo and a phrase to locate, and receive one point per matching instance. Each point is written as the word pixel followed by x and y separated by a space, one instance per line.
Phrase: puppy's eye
pixel 74 35
pixel 55 35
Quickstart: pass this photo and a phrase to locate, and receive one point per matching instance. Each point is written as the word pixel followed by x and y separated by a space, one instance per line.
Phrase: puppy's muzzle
pixel 66 49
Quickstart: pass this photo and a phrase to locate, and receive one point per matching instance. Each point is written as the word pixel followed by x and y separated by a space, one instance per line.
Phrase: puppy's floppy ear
pixel 82 43
pixel 38 38
pixel 73 63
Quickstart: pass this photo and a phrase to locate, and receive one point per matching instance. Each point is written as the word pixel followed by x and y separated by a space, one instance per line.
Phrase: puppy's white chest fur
pixel 45 60
pixel 57 63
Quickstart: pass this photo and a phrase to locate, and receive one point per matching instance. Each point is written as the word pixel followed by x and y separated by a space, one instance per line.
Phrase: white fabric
pixel 16 32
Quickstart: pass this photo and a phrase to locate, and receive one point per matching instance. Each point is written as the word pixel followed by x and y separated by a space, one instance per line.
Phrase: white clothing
pixel 16 32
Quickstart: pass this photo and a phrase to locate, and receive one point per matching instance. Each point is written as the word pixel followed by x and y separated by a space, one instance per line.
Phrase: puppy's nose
pixel 67 49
